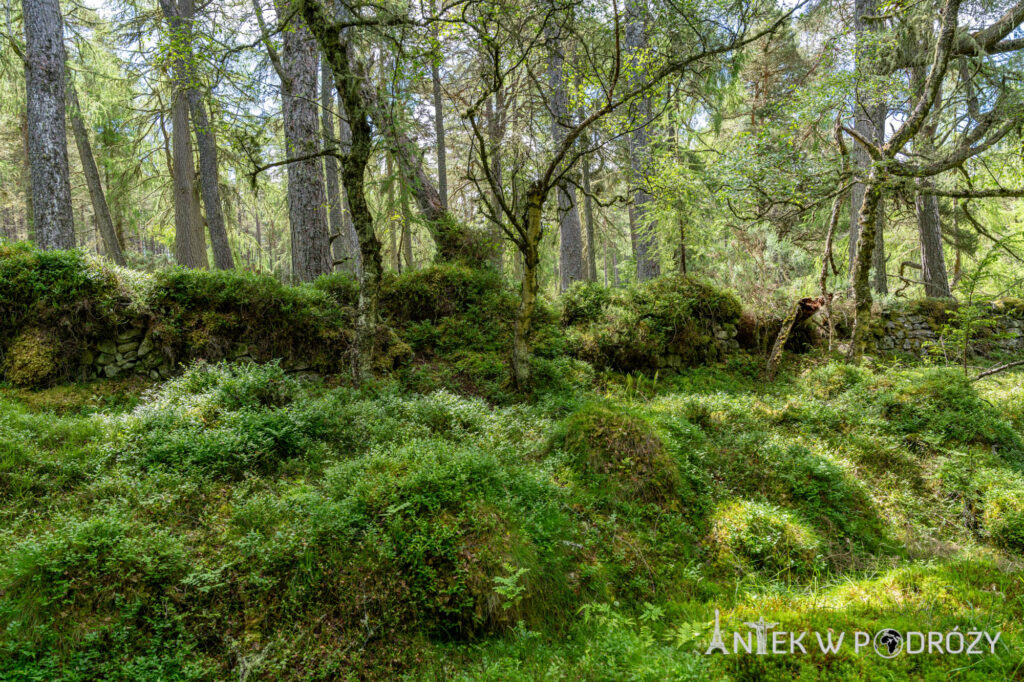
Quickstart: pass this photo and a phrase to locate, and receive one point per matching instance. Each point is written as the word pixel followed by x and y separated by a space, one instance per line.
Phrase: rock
pixel 104 359
pixel 145 347
pixel 721 334
pixel 127 346
pixel 111 371
pixel 129 335
pixel 87 358
pixel 153 374
pixel 107 346
pixel 131 355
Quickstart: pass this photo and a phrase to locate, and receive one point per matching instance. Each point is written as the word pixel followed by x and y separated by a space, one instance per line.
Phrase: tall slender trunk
pixel 307 215
pixel 335 210
pixel 47 136
pixel 209 182
pixel 406 241
pixel 442 156
pixel 642 225
pixel 929 221
pixel 353 169
pixel 104 224
pixel 588 222
pixel 189 241
pixel 570 256
pixel 495 134
pixel 349 237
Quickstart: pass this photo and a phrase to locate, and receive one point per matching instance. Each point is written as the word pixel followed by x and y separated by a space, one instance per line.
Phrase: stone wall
pixel 914 327
pixel 136 350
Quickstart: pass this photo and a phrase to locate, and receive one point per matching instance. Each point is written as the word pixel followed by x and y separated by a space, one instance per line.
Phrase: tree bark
pixel 209 182
pixel 104 224
pixel 349 237
pixel 442 157
pixel 47 137
pixel 570 257
pixel 311 256
pixel 335 210
pixel 642 225
pixel 353 169
pixel 189 240
pixel 862 267
pixel 869 121
pixel 933 261
pixel 588 222
pixel 521 368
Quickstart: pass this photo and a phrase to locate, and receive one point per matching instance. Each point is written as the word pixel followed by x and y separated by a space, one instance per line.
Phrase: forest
pixel 505 340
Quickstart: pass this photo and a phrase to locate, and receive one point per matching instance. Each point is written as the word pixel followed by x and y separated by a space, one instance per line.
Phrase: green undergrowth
pixel 633 328
pixel 242 518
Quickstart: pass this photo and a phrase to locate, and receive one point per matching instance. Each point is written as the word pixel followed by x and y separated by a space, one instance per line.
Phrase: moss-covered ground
pixel 241 523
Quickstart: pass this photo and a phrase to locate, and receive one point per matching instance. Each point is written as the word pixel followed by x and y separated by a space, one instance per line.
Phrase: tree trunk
pixel 644 230
pixel 353 169
pixel 189 241
pixel 521 369
pixel 104 224
pixel 335 210
pixel 442 157
pixel 209 182
pixel 588 221
pixel 933 261
pixel 862 267
pixel 311 256
pixel 349 237
pixel 570 257
pixel 47 136
pixel 869 121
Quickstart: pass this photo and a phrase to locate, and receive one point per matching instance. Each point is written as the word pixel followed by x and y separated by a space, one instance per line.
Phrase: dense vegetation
pixel 505 340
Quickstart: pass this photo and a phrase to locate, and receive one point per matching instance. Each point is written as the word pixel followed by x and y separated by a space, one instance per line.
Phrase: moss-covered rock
pixel 609 447
pixel 31 359
pixel 748 536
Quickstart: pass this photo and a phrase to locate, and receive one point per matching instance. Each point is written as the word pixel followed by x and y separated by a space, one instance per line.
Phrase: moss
pixel 937 311
pixel 1003 518
pixel 669 316
pixel 609 446
pixel 749 536
pixel 584 302
pixel 31 360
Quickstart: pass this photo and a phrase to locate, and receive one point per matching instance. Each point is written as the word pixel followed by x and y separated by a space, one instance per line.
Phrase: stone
pixel 87 358
pixel 145 347
pixel 721 334
pixel 111 371
pixel 107 346
pixel 131 355
pixel 104 359
pixel 127 346
pixel 153 374
pixel 129 335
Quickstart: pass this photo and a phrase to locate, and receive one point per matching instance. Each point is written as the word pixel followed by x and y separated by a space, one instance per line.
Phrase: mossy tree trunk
pixel 862 265
pixel 530 249
pixel 353 171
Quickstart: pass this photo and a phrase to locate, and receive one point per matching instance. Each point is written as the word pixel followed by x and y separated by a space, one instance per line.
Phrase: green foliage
pixel 225 421
pixel 750 536
pixel 584 302
pixel 612 447
pixel 643 324
pixel 206 314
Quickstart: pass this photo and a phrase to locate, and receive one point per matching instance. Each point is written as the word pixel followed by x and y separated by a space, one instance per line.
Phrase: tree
pixel 92 178
pixel 297 69
pixel 46 136
pixel 570 260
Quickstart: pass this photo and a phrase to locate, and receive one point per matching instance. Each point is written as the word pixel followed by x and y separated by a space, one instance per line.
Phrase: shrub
pixel 31 359
pixel 749 536
pixel 584 302
pixel 227 420
pixel 207 314
pixel 644 325
pixel 613 447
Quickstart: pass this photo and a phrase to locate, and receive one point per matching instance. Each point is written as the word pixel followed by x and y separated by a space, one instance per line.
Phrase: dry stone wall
pixel 917 328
